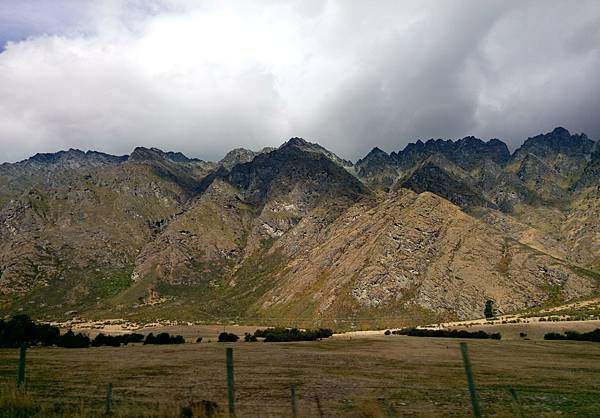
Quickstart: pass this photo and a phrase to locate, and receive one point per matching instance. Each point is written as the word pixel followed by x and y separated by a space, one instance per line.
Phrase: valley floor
pixel 358 376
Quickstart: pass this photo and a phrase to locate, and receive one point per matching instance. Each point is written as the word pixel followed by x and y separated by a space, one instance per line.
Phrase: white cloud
pixel 203 78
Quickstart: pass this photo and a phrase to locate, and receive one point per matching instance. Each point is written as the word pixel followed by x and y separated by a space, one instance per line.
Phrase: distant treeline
pixel 575 336
pixel 164 338
pixel 292 334
pixel 279 335
pixel 21 330
pixel 452 333
pixel 116 340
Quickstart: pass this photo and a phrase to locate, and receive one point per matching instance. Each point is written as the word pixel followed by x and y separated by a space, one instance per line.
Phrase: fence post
pixel 470 380
pixel 21 373
pixel 515 397
pixel 108 398
pixel 319 408
pixel 230 382
pixel 293 399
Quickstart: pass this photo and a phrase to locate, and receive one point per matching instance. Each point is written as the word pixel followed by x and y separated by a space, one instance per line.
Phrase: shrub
pixel 489 310
pixel 72 340
pixel 388 332
pixel 116 340
pixel 109 340
pixel 20 329
pixel 292 334
pixel 522 334
pixel 452 333
pixel 131 338
pixel 199 339
pixel 249 338
pixel 593 336
pixel 164 338
pixel 227 337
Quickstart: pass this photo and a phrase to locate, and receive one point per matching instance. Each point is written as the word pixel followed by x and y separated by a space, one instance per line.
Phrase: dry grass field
pixel 356 377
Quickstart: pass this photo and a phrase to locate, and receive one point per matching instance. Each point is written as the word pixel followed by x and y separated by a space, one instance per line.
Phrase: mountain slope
pixel 71 231
pixel 299 234
pixel 419 257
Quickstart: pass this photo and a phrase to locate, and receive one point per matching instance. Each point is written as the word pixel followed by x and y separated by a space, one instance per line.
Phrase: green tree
pixel 489 310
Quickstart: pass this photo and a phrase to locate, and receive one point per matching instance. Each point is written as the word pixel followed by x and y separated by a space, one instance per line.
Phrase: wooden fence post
pixel 230 382
pixel 470 380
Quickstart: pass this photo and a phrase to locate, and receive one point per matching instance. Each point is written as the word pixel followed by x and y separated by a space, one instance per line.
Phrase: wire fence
pixel 260 386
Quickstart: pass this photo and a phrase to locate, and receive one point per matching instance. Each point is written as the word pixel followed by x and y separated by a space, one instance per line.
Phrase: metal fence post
pixel 293 399
pixel 470 380
pixel 21 373
pixel 515 397
pixel 230 382
pixel 319 408
pixel 109 398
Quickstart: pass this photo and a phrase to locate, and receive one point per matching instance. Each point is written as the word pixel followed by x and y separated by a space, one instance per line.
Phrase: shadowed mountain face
pixel 297 233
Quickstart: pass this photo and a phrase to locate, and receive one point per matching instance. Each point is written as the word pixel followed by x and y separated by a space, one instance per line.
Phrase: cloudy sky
pixel 205 77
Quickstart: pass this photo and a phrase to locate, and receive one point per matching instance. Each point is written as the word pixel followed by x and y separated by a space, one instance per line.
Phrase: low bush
pixel 164 338
pixel 593 336
pixel 21 330
pixel 249 338
pixel 72 340
pixel 292 334
pixel 227 337
pixel 452 333
pixel 116 340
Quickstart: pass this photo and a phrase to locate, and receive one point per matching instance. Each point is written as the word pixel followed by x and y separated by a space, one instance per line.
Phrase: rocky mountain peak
pixel 74 157
pixel 560 141
pixel 48 158
pixel 559 130
pixel 296 142
pixel 237 156
pixel 150 154
pixel 306 146
pixel 376 152
pixel 143 153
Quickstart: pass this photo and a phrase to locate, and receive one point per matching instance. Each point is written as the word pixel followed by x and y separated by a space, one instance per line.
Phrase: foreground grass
pixel 382 376
pixel 15 403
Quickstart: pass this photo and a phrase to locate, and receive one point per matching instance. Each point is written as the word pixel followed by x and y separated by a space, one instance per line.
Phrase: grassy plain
pixel 351 376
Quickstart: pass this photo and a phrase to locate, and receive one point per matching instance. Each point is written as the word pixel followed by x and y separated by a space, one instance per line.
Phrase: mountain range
pixel 297 234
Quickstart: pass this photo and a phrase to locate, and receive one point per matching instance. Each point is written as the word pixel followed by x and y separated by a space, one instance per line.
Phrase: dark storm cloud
pixel 204 78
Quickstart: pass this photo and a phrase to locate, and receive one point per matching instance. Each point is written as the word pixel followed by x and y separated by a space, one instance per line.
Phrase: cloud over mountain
pixel 205 78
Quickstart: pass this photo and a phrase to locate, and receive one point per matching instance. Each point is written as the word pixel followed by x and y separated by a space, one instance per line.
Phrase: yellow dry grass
pixel 376 376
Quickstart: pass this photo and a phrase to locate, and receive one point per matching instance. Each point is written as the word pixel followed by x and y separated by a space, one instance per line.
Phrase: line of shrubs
pixel 164 338
pixel 279 335
pixel 116 340
pixel 292 334
pixel 593 336
pixel 452 333
pixel 21 330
